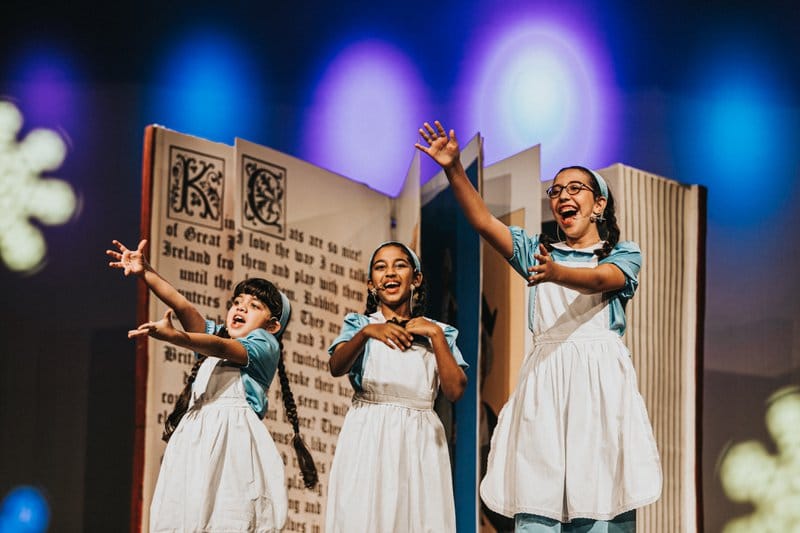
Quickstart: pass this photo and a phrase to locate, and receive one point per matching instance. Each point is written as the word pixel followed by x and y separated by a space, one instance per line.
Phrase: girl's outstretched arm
pixel 452 378
pixel 204 343
pixel 444 149
pixel 601 278
pixel 346 353
pixel 134 262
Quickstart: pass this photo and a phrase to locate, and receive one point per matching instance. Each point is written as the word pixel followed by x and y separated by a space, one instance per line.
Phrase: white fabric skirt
pixel 391 471
pixel 221 471
pixel 574 439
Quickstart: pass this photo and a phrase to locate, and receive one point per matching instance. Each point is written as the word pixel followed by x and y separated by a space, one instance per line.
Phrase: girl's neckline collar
pixel 567 248
pixel 378 314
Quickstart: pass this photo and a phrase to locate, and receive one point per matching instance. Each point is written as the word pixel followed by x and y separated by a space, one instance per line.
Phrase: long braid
pixel 610 227
pixel 419 300
pixel 182 403
pixel 304 460
pixel 372 303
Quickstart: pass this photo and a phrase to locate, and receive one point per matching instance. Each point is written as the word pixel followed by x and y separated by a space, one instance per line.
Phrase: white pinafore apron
pixel 391 471
pixel 221 470
pixel 574 439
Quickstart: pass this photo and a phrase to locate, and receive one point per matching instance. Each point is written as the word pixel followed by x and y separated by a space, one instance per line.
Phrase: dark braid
pixel 182 403
pixel 608 229
pixel 271 297
pixel 420 299
pixel 304 460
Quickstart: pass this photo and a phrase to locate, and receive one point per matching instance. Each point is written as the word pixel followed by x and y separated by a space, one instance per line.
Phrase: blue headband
pixel 600 183
pixel 286 310
pixel 414 258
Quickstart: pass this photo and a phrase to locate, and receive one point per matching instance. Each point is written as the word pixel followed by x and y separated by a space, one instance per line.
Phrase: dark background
pixel 702 92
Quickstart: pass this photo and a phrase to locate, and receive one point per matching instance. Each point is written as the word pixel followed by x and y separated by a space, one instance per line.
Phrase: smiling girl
pixel 391 470
pixel 573 449
pixel 221 470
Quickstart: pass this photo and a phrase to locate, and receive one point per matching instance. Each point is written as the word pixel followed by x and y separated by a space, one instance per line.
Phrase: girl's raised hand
pixel 160 329
pixel 131 261
pixel 545 269
pixel 391 334
pixel 442 148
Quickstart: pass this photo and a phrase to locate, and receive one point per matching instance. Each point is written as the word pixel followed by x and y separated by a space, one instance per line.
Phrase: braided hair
pixel 608 228
pixel 267 293
pixel 418 297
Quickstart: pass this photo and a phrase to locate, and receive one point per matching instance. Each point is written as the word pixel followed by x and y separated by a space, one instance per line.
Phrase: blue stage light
pixel 733 133
pixel 24 510
pixel 207 85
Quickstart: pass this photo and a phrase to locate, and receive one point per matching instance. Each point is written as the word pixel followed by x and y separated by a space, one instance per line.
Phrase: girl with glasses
pixel 573 449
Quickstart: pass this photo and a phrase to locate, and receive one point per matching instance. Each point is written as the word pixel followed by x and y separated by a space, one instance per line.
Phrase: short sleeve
pixel 263 351
pixel 450 334
pixel 353 323
pixel 525 247
pixel 627 257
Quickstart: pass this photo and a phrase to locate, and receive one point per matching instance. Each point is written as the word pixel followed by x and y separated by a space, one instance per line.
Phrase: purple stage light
pixel 364 115
pixel 539 79
pixel 46 90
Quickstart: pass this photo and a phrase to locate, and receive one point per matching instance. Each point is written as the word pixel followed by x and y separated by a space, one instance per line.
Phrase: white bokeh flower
pixel 26 195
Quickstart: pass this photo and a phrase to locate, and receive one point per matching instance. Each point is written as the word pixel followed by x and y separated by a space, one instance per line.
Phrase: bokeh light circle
pixel 24 510
pixel 364 115
pixel 539 81
pixel 208 84
pixel 732 133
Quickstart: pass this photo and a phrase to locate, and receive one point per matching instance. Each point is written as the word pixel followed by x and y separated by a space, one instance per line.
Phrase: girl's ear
pixel 273 326
pixel 417 281
pixel 600 203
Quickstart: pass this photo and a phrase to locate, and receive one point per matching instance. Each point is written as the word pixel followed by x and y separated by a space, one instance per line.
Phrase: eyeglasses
pixel 573 188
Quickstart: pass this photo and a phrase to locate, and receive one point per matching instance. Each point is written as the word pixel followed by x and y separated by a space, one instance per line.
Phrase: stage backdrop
pixel 665 334
pixel 216 214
